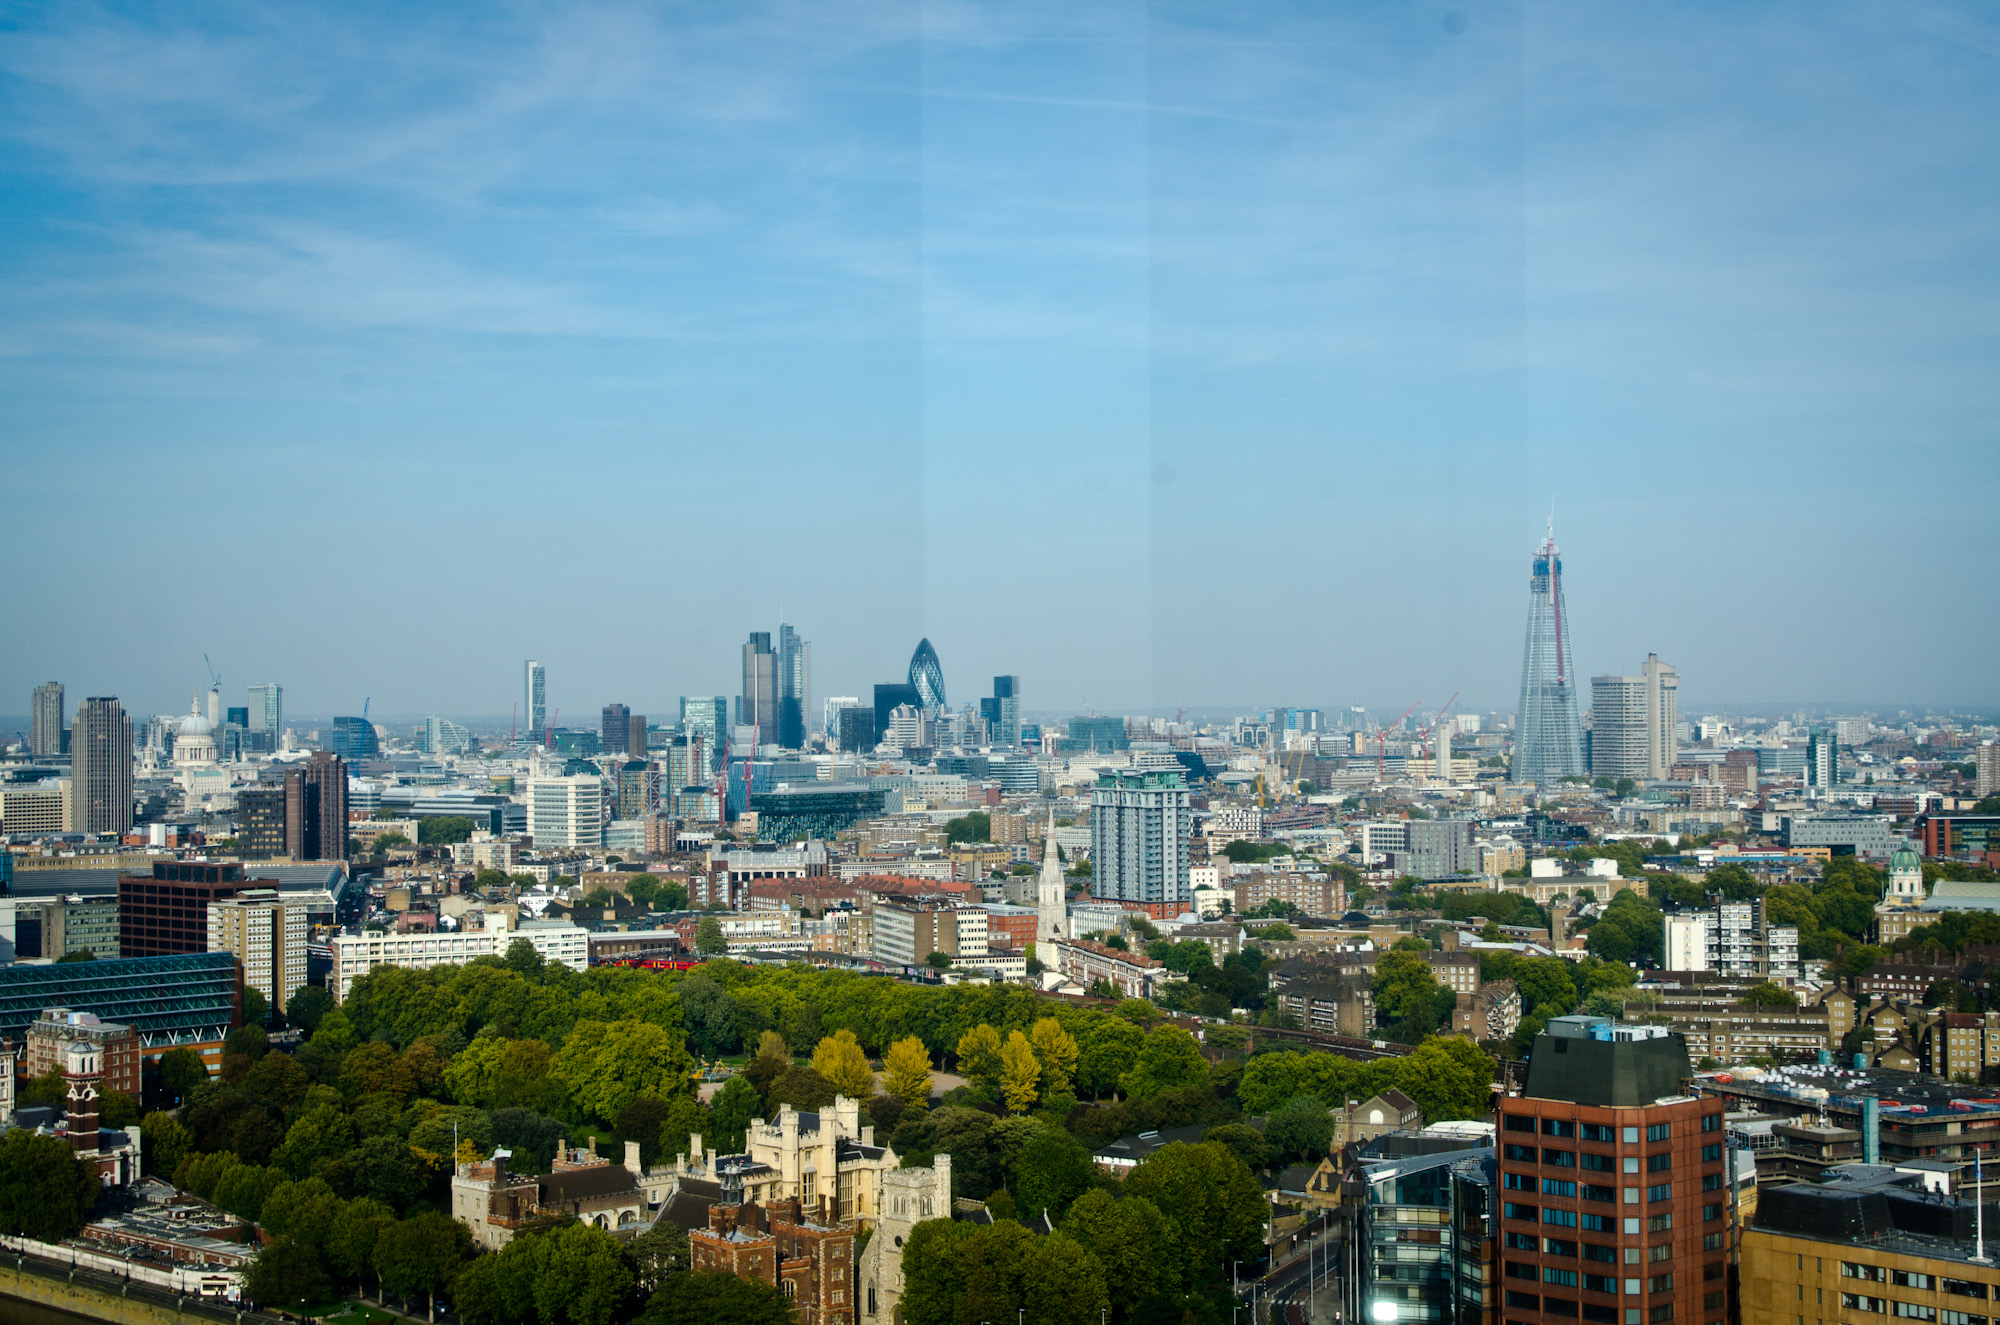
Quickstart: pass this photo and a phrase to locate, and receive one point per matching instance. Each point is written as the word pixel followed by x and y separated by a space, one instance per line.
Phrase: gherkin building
pixel 927 675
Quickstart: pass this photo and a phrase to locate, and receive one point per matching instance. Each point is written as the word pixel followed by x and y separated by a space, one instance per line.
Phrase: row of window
pixel 1524 1122
pixel 1603 1315
pixel 1596 1223
pixel 1525 1182
pixel 1882 1306
pixel 1567 1159
pixel 1912 1279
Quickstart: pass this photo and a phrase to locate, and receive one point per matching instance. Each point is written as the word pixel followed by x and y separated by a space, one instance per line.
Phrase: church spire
pixel 1051 893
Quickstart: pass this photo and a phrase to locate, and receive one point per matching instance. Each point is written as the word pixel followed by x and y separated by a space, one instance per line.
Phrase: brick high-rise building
pixel 1613 1185
pixel 316 808
pixel 51 1034
pixel 167 913
pixel 260 822
pixel 100 762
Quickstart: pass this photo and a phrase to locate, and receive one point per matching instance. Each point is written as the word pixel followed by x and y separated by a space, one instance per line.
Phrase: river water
pixel 13 1311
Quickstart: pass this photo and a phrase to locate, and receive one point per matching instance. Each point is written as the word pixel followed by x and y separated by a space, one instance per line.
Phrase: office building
pixel 615 727
pixel 855 730
pixel 1613 1183
pixel 38 809
pixel 1618 726
pixel 535 699
pixel 354 740
pixel 1003 711
pixel 1420 1246
pixel 1822 762
pixel 908 930
pixel 267 717
pixel 267 936
pixel 100 764
pixel 757 702
pixel 804 811
pixel 1547 746
pixel 889 697
pixel 167 912
pixel 354 955
pixel 566 811
pixel 442 736
pixel 316 808
pixel 1986 769
pixel 260 821
pixel 1095 735
pixel 794 687
pixel 1436 849
pixel 831 709
pixel 927 676
pixel 707 717
pixel 45 728
pixel 638 789
pixel 52 927
pixel 189 1000
pixel 1866 835
pixel 638 737
pixel 1663 715
pixel 1140 822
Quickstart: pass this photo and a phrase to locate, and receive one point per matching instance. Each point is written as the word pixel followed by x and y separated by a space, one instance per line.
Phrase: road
pixel 1283 1295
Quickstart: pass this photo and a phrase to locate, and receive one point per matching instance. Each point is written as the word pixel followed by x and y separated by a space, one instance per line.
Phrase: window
pixel 1518 1122
pixel 1659 1131
pixel 1600 1283
pixel 1593 1251
pixel 1560 1218
pixel 1659 1223
pixel 1912 1311
pixel 1528 1301
pixel 1949 1317
pixel 1709 1213
pixel 1596 1162
pixel 1558 1306
pixel 1558 1247
pixel 1601 1315
pixel 1663 1192
pixel 1598 1223
pixel 1560 1277
pixel 1660 1283
pixel 1519 1154
pixel 1520 1270
pixel 1558 1187
pixel 1963 1288
pixel 1518 1182
pixel 1711 1301
pixel 1856 1302
pixel 1872 1273
pixel 1663 1312
pixel 1630 1135
pixel 1631 1163
pixel 1515 1210
pixel 1632 1255
pixel 1711 1154
pixel 1593 1192
pixel 1712 1123
pixel 1522 1241
pixel 1558 1127
pixel 1711 1182
pixel 1661 1162
pixel 1562 1159
pixel 1911 1279
pixel 1595 1132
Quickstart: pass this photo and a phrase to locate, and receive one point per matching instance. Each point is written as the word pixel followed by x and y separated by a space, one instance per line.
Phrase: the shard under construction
pixel 1547 747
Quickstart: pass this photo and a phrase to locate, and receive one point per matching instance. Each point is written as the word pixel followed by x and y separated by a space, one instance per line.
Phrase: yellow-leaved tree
pixel 979 1055
pixel 906 1070
pixel 1020 1073
pixel 1056 1049
pixel 839 1059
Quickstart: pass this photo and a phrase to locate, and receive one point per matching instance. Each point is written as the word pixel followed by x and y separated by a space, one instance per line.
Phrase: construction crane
pixel 364 707
pixel 1382 736
pixel 1438 721
pixel 214 677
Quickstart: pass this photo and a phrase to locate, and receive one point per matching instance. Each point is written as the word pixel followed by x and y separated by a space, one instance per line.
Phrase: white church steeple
pixel 1051 893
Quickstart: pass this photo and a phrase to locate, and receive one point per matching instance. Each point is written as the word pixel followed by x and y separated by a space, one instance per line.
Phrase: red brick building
pixel 786 1244
pixel 57 1028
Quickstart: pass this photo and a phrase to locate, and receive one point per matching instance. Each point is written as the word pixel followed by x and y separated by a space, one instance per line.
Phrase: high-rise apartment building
pixel 688 763
pixel 1613 1183
pixel 616 731
pixel 757 702
pixel 638 789
pixel 1986 769
pixel 316 808
pixel 267 936
pixel 566 811
pixel 46 724
pixel 100 761
pixel 1822 761
pixel 535 699
pixel 1140 822
pixel 1547 746
pixel 1618 726
pixel 1663 714
pixel 1003 711
pixel 927 676
pixel 794 687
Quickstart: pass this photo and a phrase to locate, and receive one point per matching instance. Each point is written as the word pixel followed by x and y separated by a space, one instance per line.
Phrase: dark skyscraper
pixel 260 822
pixel 1003 711
pixel 927 675
pixel 757 704
pixel 354 739
pixel 888 698
pixel 616 733
pixel 100 762
pixel 316 809
pixel 794 687
pixel 534 698
pixel 1547 747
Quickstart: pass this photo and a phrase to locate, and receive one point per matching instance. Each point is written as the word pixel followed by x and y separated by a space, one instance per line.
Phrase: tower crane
pixel 1438 721
pixel 1382 735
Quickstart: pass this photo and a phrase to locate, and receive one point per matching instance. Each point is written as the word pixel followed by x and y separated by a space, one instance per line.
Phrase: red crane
pixel 1382 733
pixel 1437 722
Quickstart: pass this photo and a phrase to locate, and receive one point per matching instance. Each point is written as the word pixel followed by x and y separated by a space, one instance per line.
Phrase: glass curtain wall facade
pixel 1548 746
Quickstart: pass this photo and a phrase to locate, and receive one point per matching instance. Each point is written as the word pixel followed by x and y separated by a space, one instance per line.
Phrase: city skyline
pixel 1041 290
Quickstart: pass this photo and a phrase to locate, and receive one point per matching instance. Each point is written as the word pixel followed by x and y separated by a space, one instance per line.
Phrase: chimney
pixel 632 1159
pixel 941 1167
pixel 694 1148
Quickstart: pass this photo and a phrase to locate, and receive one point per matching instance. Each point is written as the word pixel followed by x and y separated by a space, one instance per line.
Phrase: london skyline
pixel 1157 359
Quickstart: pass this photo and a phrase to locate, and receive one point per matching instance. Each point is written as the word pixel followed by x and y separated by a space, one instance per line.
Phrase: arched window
pixel 871 1299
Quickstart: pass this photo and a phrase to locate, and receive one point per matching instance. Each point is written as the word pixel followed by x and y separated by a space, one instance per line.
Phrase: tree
pixel 839 1059
pixel 1056 1050
pixel 180 1070
pixel 164 1142
pixel 731 1112
pixel 1168 1059
pixel 974 827
pixel 708 936
pixel 421 1255
pixel 533 1137
pixel 444 829
pixel 288 1274
pixel 606 1065
pixel 45 1191
pixel 383 1168
pixel 1128 1238
pixel 715 1298
pixel 933 1279
pixel 1300 1126
pixel 350 1246
pixel 906 1071
pixel 685 1117
pixel 1215 1206
pixel 1245 1142
pixel 1406 991
pixel 1765 994
pixel 979 1055
pixel 322 1135
pixel 1020 1073
pixel 1051 1170
pixel 658 1253
pixel 641 1120
pixel 802 1088
pixel 307 1006
pixel 938 959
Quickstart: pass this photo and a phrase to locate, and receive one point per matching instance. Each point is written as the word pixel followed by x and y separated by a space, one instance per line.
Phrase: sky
pixel 1161 354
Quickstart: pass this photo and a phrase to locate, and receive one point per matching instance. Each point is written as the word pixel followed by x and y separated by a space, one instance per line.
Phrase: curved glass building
pixel 927 675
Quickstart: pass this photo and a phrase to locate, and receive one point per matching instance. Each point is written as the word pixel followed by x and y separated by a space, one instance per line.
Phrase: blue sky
pixel 1162 354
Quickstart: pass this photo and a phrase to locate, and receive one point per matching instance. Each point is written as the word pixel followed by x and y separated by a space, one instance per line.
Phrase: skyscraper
pixel 316 808
pixel 927 676
pixel 1618 726
pixel 535 698
pixel 1822 761
pixel 794 687
pixel 267 716
pixel 45 734
pixel 757 702
pixel 1003 711
pixel 708 718
pixel 354 739
pixel 1140 822
pixel 1546 744
pixel 100 761
pixel 1663 715
pixel 616 730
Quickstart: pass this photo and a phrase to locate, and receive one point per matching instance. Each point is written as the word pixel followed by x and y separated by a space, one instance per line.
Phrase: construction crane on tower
pixel 1437 720
pixel 1382 736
